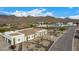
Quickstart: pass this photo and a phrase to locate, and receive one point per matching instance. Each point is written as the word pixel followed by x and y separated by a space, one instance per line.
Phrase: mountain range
pixel 5 19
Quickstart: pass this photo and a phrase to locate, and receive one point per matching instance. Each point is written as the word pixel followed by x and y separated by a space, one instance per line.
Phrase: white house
pixel 18 36
pixel 70 23
pixel 14 37
pixel 33 33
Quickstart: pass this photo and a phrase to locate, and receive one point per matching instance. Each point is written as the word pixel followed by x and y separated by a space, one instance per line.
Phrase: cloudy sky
pixel 62 12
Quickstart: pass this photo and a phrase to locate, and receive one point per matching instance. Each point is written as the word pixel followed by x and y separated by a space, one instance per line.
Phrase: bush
pixel 77 31
pixel 4 30
pixel 62 29
pixel 12 46
pixel 77 37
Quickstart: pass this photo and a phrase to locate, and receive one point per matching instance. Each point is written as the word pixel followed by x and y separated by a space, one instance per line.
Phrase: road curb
pixel 73 42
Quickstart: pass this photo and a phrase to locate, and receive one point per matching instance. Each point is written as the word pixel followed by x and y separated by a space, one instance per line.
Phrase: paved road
pixel 64 43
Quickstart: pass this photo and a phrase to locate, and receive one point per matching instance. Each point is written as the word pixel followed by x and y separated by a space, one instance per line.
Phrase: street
pixel 64 43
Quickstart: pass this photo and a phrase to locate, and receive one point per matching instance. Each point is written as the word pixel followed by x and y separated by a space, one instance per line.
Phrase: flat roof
pixel 14 34
pixel 26 31
pixel 30 31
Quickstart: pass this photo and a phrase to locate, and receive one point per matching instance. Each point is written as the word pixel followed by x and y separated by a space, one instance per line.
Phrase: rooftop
pixel 14 34
pixel 24 31
pixel 30 31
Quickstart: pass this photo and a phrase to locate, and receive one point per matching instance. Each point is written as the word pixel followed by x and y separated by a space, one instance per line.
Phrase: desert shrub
pixel 62 29
pixel 12 47
pixel 4 30
pixel 77 31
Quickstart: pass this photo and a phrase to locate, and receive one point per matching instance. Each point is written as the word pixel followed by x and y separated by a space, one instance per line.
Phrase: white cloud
pixel 48 14
pixel 18 13
pixel 74 17
pixel 62 17
pixel 34 12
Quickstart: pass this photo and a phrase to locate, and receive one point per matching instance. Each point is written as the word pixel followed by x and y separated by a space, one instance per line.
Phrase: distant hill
pixel 4 19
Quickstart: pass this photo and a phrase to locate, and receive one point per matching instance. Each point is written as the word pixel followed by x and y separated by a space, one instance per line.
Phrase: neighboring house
pixel 18 36
pixel 42 25
pixel 70 23
pixel 58 24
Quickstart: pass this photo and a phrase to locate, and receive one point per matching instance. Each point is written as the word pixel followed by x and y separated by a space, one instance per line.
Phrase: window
pixel 14 41
pixel 18 39
pixel 9 41
pixel 32 36
pixel 28 37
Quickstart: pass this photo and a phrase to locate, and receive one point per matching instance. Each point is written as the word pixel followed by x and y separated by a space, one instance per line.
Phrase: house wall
pixel 30 37
pixel 42 32
pixel 18 39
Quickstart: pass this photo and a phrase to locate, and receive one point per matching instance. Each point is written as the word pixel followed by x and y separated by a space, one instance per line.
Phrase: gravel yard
pixel 76 44
pixel 45 43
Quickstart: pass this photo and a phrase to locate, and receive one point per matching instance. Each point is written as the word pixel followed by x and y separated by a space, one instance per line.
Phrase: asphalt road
pixel 64 43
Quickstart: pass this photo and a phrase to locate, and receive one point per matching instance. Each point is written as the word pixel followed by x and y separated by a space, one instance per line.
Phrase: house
pixel 42 25
pixel 18 36
pixel 57 24
pixel 13 37
pixel 70 23
pixel 33 33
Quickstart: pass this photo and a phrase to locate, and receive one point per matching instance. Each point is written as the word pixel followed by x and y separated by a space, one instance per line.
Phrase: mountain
pixel 5 19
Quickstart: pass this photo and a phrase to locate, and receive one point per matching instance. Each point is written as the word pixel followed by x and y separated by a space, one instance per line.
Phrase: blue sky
pixel 50 11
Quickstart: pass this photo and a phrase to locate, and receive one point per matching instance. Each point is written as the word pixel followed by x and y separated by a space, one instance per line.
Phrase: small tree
pixel 77 31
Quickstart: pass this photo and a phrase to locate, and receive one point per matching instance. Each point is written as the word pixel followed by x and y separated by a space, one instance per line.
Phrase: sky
pixel 60 12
